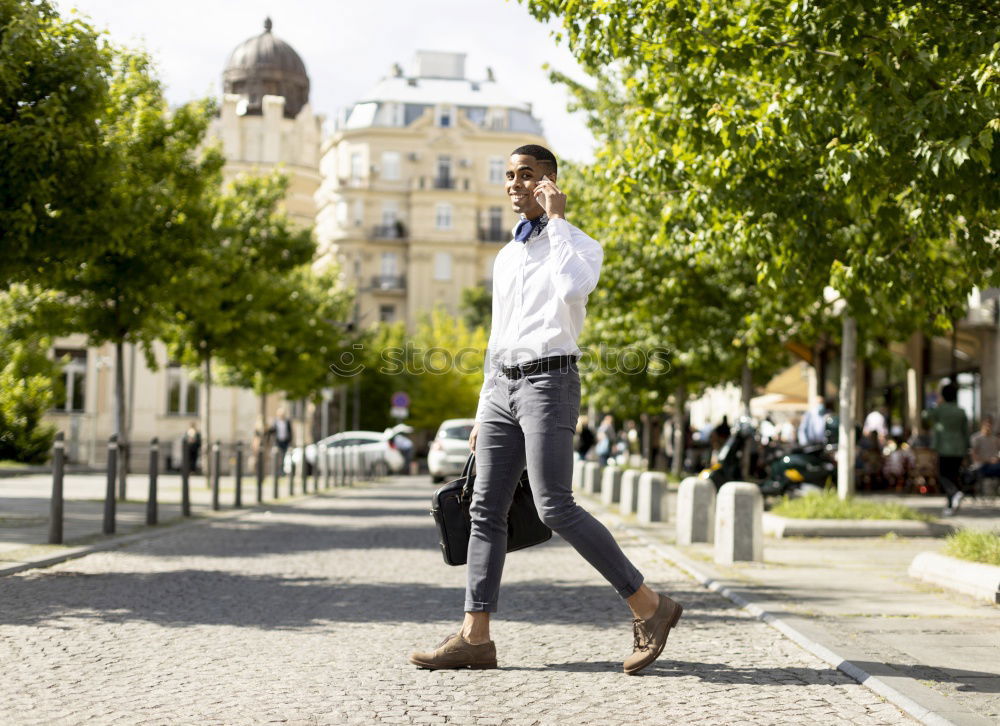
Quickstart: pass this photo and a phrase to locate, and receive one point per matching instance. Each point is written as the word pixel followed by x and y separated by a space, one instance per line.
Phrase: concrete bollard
pixel 592 477
pixel 651 505
pixel 695 511
pixel 739 523
pixel 578 473
pixel 611 485
pixel 629 491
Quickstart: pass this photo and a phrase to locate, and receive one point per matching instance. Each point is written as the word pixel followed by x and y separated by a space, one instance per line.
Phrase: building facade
pixel 412 203
pixel 265 122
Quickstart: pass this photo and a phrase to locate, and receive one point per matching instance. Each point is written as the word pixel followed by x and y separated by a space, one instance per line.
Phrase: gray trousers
pixel 530 421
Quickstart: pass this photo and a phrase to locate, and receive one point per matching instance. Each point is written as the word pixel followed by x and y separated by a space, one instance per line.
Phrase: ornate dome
pixel 266 65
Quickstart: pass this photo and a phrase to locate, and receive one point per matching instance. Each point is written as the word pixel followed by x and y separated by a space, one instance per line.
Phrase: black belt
pixel 538 365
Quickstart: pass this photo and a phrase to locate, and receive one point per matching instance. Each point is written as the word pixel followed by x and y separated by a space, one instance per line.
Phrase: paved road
pixel 305 614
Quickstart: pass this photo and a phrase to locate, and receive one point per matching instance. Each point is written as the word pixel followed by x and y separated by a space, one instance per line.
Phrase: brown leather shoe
pixel 456 652
pixel 651 634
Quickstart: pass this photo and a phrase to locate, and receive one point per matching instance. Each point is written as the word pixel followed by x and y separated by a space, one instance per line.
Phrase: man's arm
pixel 491 367
pixel 575 260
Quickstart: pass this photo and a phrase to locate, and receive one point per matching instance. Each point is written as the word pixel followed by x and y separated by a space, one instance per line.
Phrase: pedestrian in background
pixel 605 439
pixel 950 439
pixel 281 431
pixel 192 445
pixel 812 428
pixel 584 438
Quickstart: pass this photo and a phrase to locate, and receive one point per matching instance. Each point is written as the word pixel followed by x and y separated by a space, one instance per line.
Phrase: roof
pixel 458 92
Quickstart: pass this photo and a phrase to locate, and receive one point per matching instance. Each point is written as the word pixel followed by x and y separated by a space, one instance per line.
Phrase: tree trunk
pixel 848 373
pixel 746 394
pixel 680 430
pixel 120 417
pixel 207 439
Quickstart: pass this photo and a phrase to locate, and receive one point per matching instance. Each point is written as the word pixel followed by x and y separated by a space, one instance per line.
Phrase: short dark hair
pixel 540 153
pixel 950 393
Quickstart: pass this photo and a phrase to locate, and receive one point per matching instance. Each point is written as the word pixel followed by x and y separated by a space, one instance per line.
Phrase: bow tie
pixel 526 227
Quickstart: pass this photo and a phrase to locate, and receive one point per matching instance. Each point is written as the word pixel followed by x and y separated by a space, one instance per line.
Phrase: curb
pixel 873 682
pixel 148 533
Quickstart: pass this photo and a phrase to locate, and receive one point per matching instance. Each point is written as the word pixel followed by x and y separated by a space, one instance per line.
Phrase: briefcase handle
pixel 470 464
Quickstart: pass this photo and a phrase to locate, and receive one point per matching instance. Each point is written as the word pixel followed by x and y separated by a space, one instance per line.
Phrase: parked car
pixel 369 441
pixel 450 448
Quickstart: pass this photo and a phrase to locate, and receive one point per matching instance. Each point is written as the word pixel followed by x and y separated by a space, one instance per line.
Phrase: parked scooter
pixel 801 470
pixel 778 472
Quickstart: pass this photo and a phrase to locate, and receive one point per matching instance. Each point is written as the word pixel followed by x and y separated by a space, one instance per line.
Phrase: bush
pixel 975 546
pixel 827 505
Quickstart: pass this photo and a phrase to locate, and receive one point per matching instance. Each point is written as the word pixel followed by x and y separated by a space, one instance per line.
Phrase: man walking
pixel 527 416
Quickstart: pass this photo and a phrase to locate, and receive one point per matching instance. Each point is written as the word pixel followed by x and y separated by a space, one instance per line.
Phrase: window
pixel 342 210
pixel 443 180
pixel 442 266
pixel 497 169
pixel 390 165
pixel 390 213
pixel 442 218
pixel 389 260
pixel 357 166
pixel 357 267
pixel 182 393
pixel 74 380
pixel 386 313
pixel 496 222
pixel 359 212
pixel 445 116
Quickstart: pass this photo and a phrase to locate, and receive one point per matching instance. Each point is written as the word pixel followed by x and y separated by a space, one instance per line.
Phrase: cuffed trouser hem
pixel 632 588
pixel 480 607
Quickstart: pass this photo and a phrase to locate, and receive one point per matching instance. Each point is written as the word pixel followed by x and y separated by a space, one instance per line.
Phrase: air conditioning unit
pixel 413 156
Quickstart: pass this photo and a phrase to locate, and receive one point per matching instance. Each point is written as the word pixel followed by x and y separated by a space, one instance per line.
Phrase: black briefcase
pixel 450 507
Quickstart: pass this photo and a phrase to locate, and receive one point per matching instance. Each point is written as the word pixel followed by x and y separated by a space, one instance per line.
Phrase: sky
pixel 348 45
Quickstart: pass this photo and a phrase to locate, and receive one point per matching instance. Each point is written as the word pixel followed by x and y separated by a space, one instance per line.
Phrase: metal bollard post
pixel 260 474
pixel 326 468
pixel 56 503
pixel 305 471
pixel 278 463
pixel 216 465
pixel 154 464
pixel 239 474
pixel 185 480
pixel 316 467
pixel 109 494
pixel 291 475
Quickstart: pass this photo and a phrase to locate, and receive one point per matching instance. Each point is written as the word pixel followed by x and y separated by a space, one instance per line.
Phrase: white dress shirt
pixel 540 290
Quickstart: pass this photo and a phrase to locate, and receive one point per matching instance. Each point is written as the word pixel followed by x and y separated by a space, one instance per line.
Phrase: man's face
pixel 523 174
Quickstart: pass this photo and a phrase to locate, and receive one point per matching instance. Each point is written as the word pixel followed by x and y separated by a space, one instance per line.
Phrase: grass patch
pixel 974 546
pixel 827 505
pixel 9 464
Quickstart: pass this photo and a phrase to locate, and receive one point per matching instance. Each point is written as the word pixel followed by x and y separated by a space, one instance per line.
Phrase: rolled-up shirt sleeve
pixel 491 362
pixel 575 262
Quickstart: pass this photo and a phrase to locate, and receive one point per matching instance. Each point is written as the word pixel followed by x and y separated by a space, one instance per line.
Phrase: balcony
pixel 388 283
pixel 494 234
pixel 389 232
pixel 441 183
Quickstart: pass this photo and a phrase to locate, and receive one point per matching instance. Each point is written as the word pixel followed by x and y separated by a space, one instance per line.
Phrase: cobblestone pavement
pixel 306 613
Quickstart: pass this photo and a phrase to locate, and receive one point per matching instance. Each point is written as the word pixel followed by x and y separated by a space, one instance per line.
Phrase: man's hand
pixel 553 201
pixel 472 437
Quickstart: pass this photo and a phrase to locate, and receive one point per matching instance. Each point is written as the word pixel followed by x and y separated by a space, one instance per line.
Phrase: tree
pixel 292 337
pixel 29 379
pixel 837 145
pixel 244 264
pixel 444 352
pixel 476 307
pixel 152 216
pixel 53 92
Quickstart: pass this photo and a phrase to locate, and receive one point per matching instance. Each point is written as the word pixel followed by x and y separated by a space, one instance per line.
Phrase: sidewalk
pixel 24 508
pixel 934 653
